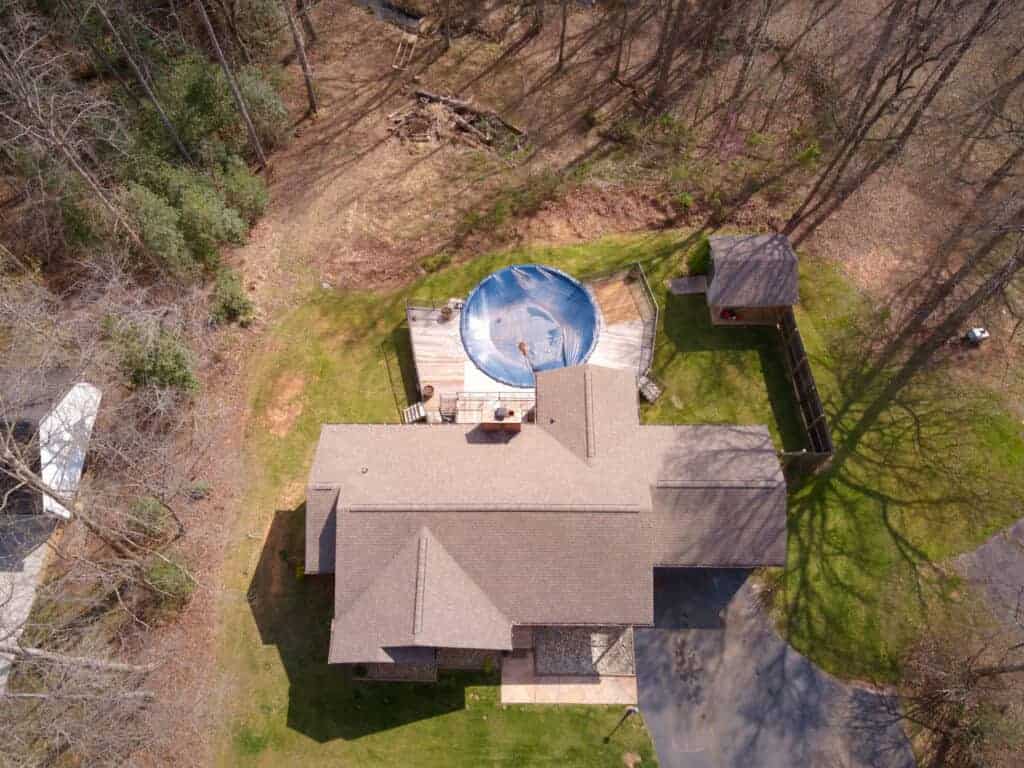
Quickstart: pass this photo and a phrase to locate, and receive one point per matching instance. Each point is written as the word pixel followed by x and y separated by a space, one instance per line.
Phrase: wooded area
pixel 142 143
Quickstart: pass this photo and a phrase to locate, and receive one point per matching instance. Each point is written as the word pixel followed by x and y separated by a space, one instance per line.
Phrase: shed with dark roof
pixel 751 277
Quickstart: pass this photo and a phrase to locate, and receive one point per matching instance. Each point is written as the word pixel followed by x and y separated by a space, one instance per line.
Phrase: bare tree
pixel 561 34
pixel 41 110
pixel 671 36
pixel 236 94
pixel 961 695
pixel 144 83
pixel 919 48
pixel 300 50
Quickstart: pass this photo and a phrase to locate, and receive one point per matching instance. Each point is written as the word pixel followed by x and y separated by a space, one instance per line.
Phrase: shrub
pixel 809 155
pixel 157 359
pixel 624 131
pixel 149 517
pixel 206 222
pixel 170 583
pixel 205 218
pixel 198 101
pixel 158 224
pixel 82 224
pixel 230 304
pixel 265 107
pixel 683 201
pixel 195 95
pixel 436 262
pixel 243 190
pixel 198 491
pixel 698 261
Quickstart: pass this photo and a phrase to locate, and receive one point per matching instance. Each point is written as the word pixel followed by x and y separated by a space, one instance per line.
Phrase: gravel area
pixel 584 651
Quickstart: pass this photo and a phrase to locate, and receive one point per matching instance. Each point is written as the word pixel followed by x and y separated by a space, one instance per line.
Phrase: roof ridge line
pixel 421 584
pixel 483 507
pixel 718 483
pixel 588 413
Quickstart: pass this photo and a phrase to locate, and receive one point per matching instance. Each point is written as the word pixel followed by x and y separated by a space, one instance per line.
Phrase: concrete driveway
pixel 719 688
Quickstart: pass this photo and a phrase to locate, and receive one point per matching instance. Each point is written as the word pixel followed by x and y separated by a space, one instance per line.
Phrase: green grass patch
pixel 862 535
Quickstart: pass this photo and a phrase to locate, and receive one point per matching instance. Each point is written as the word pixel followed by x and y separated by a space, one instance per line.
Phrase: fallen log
pixel 87 662
pixel 464 106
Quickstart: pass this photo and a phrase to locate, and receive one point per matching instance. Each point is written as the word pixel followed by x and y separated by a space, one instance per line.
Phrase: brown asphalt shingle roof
pixel 560 524
pixel 752 271
pixel 422 598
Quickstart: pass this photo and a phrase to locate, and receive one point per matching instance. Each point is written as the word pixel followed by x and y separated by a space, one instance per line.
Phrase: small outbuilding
pixel 751 279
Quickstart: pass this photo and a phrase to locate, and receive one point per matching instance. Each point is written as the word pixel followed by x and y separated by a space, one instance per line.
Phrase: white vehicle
pixel 975 336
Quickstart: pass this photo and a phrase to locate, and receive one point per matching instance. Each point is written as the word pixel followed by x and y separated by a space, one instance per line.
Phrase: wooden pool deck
pixel 463 392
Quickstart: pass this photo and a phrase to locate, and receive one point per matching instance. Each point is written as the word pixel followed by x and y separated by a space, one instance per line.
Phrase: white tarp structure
pixel 64 435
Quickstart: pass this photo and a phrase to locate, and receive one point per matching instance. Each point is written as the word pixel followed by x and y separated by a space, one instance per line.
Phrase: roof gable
pixel 590 410
pixel 421 598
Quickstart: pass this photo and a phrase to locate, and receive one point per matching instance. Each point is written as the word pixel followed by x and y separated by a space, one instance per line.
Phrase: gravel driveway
pixel 719 688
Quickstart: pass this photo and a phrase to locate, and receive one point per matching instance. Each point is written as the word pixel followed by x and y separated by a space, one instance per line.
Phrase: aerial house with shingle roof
pixel 473 538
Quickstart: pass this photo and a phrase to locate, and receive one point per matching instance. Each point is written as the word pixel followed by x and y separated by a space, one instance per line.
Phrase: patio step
pixel 415 412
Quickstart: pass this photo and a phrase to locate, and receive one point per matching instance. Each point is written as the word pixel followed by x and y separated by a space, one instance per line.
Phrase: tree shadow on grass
pixel 905 489
pixel 293 612
pixel 687 330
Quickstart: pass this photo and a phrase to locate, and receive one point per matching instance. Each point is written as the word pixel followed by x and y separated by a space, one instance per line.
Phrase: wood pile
pixel 434 118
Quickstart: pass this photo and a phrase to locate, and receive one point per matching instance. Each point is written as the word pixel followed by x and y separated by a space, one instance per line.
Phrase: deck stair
pixel 415 412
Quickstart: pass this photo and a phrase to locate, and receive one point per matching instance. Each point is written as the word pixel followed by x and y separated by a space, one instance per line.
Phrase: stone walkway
pixel 684 286
pixel 520 684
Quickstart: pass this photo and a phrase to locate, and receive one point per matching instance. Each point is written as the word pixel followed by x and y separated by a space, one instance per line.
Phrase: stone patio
pixel 584 651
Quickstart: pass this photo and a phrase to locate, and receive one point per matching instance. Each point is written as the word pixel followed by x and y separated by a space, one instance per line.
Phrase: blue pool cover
pixel 528 318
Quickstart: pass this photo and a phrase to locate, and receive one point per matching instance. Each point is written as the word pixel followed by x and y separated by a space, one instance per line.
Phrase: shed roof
pixel 753 271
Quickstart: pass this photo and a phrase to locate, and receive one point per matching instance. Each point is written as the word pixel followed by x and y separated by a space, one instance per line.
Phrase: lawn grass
pixel 862 536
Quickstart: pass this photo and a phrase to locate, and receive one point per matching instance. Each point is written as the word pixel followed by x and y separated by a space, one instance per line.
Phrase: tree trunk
pixel 86 662
pixel 623 25
pixel 229 21
pixel 561 34
pixel 670 42
pixel 168 126
pixel 300 50
pixel 236 94
pixel 302 6
pixel 753 43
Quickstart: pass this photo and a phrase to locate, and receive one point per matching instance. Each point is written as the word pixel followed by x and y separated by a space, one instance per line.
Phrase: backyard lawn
pixel 934 476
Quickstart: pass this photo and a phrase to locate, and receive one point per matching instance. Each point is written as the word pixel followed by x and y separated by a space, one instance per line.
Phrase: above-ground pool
pixel 528 318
